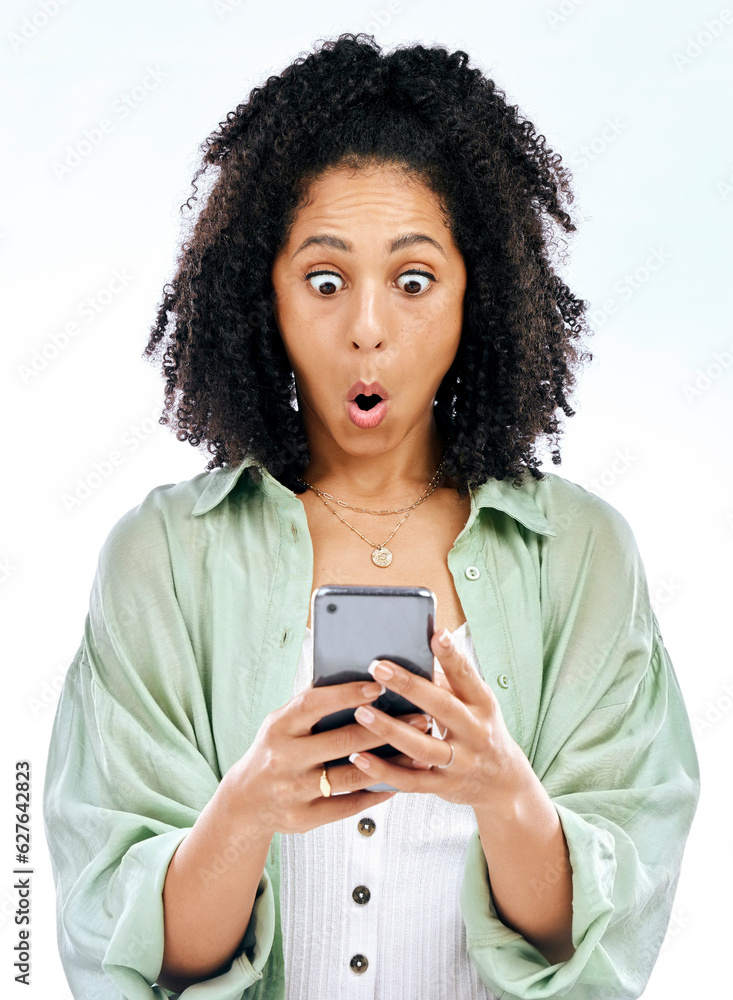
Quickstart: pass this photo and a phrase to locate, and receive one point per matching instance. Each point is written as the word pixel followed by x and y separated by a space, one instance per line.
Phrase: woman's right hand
pixel 276 784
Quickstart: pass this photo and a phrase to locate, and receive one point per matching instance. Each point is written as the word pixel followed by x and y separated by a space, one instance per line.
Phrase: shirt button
pixel 367 826
pixel 359 964
pixel 503 680
pixel 361 895
pixel 473 572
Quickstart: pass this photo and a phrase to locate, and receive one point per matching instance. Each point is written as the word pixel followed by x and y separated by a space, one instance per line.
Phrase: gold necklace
pixel 381 556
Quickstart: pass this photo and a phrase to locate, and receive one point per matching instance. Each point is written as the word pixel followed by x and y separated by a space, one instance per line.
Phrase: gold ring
pixel 326 784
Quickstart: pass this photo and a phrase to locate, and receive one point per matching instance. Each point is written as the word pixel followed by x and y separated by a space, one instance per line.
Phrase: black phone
pixel 353 626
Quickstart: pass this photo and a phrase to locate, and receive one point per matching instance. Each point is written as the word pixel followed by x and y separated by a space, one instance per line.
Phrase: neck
pixel 394 477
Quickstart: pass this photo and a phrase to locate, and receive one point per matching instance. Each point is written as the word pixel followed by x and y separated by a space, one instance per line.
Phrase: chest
pixel 419 549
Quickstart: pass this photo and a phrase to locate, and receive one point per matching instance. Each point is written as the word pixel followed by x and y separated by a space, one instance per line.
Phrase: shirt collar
pixel 500 494
pixel 220 482
pixel 517 502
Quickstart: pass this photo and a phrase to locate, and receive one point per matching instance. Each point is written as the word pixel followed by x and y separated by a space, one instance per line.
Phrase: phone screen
pixel 353 626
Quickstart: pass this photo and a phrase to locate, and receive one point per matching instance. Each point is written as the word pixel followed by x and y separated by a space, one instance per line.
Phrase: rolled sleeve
pixel 623 776
pixel 129 770
pixel 508 962
pixel 135 950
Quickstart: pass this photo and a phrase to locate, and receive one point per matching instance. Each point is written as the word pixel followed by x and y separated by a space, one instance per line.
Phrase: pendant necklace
pixel 381 555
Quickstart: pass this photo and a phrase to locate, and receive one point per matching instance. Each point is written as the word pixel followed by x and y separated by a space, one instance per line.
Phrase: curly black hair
pixel 501 190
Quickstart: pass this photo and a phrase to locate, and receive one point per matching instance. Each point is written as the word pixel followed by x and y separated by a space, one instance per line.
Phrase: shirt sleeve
pixel 130 766
pixel 615 753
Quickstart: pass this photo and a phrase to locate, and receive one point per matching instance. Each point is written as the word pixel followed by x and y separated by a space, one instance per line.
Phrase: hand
pixel 487 764
pixel 275 786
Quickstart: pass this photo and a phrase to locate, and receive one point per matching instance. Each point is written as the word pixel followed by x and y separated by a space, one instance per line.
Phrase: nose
pixel 368 326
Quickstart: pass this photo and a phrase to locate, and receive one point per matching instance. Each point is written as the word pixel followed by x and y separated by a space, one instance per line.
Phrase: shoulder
pixel 593 559
pixel 141 538
pixel 580 518
pixel 165 504
pixel 592 570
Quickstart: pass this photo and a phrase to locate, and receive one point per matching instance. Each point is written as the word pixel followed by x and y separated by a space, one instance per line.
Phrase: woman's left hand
pixel 487 763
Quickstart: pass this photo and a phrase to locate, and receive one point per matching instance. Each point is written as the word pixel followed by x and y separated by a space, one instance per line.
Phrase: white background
pixel 652 434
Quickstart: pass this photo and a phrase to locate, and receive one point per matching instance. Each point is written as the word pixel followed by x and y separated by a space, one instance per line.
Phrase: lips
pixel 366 389
pixel 367 419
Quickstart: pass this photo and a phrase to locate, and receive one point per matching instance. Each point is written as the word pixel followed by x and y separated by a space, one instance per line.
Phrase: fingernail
pixel 420 723
pixel 364 714
pixel 362 761
pixel 369 691
pixel 379 670
pixel 444 638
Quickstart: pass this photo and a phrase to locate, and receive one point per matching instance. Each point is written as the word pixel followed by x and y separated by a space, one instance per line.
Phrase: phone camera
pixel 330 608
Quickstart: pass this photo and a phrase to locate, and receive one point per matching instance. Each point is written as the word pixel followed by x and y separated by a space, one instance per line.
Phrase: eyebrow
pixel 400 243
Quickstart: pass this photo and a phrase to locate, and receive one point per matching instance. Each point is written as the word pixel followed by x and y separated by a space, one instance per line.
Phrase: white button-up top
pixel 410 931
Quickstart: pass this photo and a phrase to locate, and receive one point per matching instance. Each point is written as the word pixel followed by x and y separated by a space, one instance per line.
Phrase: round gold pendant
pixel 381 556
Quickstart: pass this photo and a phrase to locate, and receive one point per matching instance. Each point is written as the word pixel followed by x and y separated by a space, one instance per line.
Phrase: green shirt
pixel 196 622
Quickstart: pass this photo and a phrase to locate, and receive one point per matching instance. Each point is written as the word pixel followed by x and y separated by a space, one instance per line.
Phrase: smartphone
pixel 352 626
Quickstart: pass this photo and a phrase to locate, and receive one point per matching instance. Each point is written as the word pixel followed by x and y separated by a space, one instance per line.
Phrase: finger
pixel 465 680
pixel 439 677
pixel 340 806
pixel 406 779
pixel 340 742
pixel 342 778
pixel 314 703
pixel 409 740
pixel 437 700
pixel 402 760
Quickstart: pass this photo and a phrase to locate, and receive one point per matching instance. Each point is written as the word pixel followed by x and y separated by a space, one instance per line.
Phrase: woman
pixel 366 317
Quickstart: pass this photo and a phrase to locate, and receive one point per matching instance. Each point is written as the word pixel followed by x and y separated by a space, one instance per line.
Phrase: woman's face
pixel 369 287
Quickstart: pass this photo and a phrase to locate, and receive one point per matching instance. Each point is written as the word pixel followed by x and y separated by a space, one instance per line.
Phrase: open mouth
pixel 367 402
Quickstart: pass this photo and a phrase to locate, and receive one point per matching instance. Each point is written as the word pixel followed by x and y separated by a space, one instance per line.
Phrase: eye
pixel 330 286
pixel 412 281
pixel 323 286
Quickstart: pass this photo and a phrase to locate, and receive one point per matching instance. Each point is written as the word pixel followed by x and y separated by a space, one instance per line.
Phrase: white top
pixel 410 931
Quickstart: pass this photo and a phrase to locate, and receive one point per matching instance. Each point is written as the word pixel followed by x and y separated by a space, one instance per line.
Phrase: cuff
pixel 134 956
pixel 508 963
